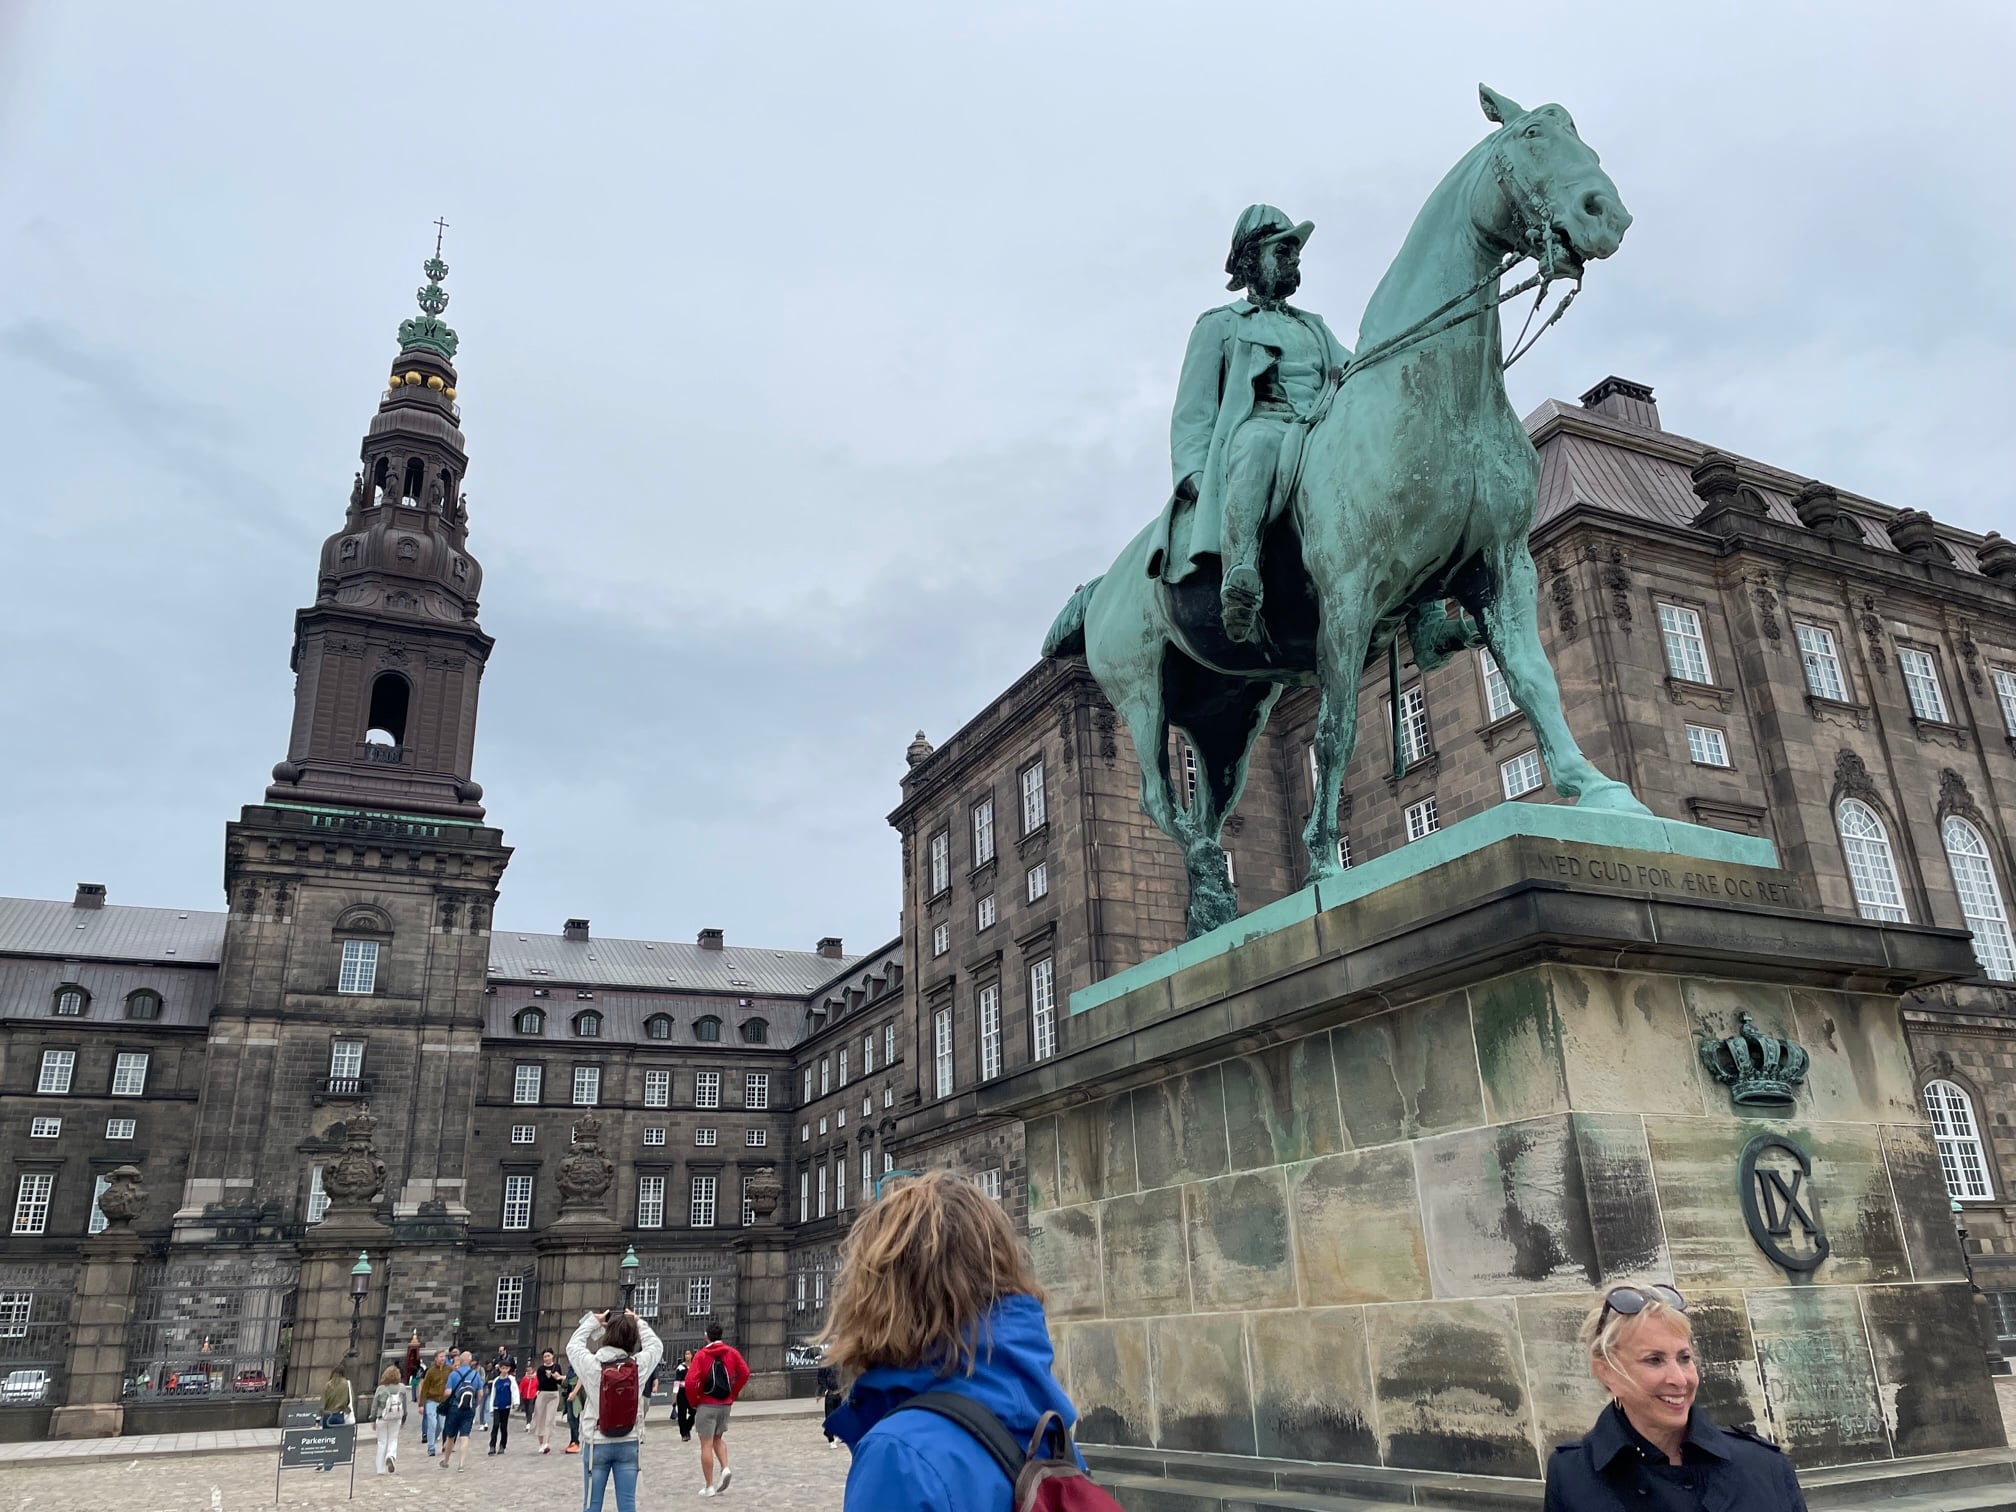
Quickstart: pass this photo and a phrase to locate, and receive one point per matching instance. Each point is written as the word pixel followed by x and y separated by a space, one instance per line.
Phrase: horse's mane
pixel 1380 319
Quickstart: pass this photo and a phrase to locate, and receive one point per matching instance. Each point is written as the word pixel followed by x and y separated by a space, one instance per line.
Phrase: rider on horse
pixel 1258 373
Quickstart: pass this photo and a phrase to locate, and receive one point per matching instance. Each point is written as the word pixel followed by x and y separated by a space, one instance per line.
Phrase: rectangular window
pixel 868 1052
pixel 983 913
pixel 990 1031
pixel 868 1105
pixel 842 1060
pixel 129 1073
pixel 706 1136
pixel 1822 662
pixel 941 862
pixel 983 832
pixel 1344 852
pixel 888 1097
pixel 703 1201
pixel 654 1135
pixel 1521 774
pixel 1686 646
pixel 867 1175
pixel 318 1199
pixel 517 1202
pixel 2005 695
pixel 17 1309
pixel 45 1128
pixel 748 1204
pixel 1921 682
pixel 650 1202
pixel 510 1306
pixel 120 1128
pixel 806 1093
pixel 888 1044
pixel 804 1133
pixel 359 973
pixel 755 1139
pixel 1416 739
pixel 989 1181
pixel 1189 775
pixel 804 1211
pixel 587 1086
pixel 825 1074
pixel 97 1223
pixel 526 1082
pixel 756 1090
pixel 1422 819
pixel 1035 806
pixel 819 1186
pixel 657 1089
pixel 1706 746
pixel 1497 695
pixel 941 940
pixel 707 1089
pixel 1043 1010
pixel 524 1133
pixel 822 1128
pixel 840 1119
pixel 31 1202
pixel 58 1066
pixel 839 1182
pixel 699 1296
pixel 941 1040
pixel 1039 880
pixel 346 1062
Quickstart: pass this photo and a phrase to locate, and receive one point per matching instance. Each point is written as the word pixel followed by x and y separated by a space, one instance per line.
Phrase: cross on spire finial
pixel 440 226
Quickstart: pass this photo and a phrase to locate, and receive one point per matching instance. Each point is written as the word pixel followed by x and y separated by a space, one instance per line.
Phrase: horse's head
pixel 1554 201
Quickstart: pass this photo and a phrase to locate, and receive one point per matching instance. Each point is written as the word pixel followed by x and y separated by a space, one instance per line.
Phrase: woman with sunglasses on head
pixel 1653 1450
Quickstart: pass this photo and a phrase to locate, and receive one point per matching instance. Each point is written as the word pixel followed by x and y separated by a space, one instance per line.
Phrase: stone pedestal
pixel 578 1257
pixel 1341 1190
pixel 761 1282
pixel 322 1308
pixel 100 1330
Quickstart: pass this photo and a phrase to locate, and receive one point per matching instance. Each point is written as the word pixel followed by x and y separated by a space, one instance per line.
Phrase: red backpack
pixel 1049 1482
pixel 616 1411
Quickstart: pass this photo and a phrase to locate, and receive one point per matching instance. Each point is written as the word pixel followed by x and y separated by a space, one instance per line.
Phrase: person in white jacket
pixel 602 1340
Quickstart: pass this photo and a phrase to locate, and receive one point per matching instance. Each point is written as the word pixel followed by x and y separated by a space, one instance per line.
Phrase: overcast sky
pixel 811 353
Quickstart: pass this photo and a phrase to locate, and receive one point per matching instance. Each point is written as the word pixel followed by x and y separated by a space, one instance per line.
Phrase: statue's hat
pixel 1259 223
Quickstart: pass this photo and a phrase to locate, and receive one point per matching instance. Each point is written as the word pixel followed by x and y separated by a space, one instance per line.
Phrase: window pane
pixel 1686 649
pixel 983 913
pixel 1422 819
pixel 941 1038
pixel 1962 1159
pixel 651 1202
pixel 1707 745
pixel 1980 898
pixel 120 1128
pixel 1872 872
pixel 510 1299
pixel 1039 880
pixel 360 966
pixel 756 1090
pixel 58 1066
pixel 31 1202
pixel 657 1089
pixel 1921 682
pixel 983 832
pixel 318 1198
pixel 1521 774
pixel 2005 695
pixel 525 1084
pixel 1415 737
pixel 703 1201
pixel 1043 1010
pixel 1822 662
pixel 1497 694
pixel 517 1202
pixel 990 1031
pixel 1035 807
pixel 941 940
pixel 587 1086
pixel 707 1089
pixel 941 862
pixel 129 1074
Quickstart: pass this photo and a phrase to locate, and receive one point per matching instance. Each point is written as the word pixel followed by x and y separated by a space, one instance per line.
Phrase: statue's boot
pixel 1239 602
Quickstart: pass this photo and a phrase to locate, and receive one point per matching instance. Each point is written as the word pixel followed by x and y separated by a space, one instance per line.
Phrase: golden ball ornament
pixel 394 381
pixel 447 393
pixel 436 384
pixel 413 378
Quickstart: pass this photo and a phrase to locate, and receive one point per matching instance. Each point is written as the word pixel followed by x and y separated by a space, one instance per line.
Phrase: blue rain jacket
pixel 920 1462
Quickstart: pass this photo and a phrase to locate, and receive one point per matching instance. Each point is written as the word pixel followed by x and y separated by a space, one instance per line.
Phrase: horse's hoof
pixel 1612 797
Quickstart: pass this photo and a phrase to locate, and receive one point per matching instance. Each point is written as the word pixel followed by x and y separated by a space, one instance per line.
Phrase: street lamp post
pixel 628 1266
pixel 360 1283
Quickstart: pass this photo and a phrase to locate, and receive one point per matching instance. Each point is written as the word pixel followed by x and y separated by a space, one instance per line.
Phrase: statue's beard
pixel 1279 286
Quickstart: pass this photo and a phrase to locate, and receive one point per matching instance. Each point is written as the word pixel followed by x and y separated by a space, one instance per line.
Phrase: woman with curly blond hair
pixel 938 1328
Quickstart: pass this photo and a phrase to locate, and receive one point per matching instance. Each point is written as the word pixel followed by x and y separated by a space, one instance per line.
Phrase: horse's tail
pixel 1067 631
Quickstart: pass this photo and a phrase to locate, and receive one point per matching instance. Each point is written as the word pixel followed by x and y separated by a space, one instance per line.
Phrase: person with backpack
pixel 388 1407
pixel 613 1369
pixel 503 1391
pixel 465 1390
pixel 938 1323
pixel 714 1378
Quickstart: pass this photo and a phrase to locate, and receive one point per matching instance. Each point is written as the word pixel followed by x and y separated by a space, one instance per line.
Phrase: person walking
pixel 549 1384
pixel 503 1398
pixel 1653 1446
pixel 682 1404
pixel 614 1357
pixel 411 1375
pixel 714 1378
pixel 388 1408
pixel 937 1320
pixel 829 1393
pixel 572 1395
pixel 528 1386
pixel 338 1403
pixel 465 1390
pixel 433 1395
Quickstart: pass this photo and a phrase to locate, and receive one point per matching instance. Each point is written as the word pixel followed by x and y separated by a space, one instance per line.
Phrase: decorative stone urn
pixel 122 1199
pixel 356 1177
pixel 766 1190
pixel 585 1174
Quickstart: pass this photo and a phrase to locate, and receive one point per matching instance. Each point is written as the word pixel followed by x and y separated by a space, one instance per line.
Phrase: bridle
pixel 1537 223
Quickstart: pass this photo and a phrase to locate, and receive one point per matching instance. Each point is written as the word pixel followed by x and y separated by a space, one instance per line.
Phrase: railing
pixel 346 1086
pixel 384 755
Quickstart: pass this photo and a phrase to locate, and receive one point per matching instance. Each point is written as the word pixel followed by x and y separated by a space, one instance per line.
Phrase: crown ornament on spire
pixel 1759 1069
pixel 428 329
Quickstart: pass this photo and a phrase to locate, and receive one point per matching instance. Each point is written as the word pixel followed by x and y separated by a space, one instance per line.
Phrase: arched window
pixel 1872 871
pixel 707 1030
pixel 1961 1157
pixel 756 1032
pixel 531 1021
pixel 588 1024
pixel 385 726
pixel 144 1004
pixel 1980 898
pixel 658 1026
pixel 71 1001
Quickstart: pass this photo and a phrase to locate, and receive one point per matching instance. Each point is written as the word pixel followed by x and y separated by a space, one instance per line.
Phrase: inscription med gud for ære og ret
pixel 1623 871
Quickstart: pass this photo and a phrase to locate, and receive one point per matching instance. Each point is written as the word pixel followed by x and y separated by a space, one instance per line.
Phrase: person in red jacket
pixel 710 1407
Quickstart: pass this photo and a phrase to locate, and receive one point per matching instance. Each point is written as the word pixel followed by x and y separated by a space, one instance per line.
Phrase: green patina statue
pixel 1325 503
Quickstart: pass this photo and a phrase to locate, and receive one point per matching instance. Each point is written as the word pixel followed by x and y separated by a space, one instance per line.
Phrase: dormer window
pixel 531 1021
pixel 756 1032
pixel 658 1026
pixel 71 1002
pixel 707 1030
pixel 588 1025
pixel 144 1004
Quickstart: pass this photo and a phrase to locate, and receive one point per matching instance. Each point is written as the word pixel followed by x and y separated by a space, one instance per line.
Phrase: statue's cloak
pixel 1214 397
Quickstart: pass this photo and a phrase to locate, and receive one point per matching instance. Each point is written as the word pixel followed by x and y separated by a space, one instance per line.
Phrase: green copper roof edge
pixel 321 808
pixel 1547 821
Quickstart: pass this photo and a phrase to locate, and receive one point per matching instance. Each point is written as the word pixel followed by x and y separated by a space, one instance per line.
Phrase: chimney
pixel 711 939
pixel 830 948
pixel 89 895
pixel 575 929
pixel 1621 399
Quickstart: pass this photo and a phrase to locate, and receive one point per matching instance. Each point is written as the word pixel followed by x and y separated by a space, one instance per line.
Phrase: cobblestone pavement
pixel 781 1465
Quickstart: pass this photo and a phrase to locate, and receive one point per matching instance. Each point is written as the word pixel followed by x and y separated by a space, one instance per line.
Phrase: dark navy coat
pixel 1612 1468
